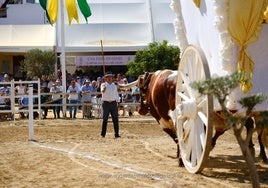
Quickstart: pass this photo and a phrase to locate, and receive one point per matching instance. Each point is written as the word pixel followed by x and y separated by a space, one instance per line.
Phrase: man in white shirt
pixel 110 99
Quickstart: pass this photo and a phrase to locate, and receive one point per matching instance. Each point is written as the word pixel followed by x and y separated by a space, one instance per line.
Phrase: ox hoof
pixel 263 159
pixel 181 163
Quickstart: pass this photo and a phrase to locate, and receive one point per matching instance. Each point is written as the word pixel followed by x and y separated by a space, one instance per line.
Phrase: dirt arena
pixel 71 153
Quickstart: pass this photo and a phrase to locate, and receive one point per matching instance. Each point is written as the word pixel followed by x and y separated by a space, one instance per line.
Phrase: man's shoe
pixel 117 136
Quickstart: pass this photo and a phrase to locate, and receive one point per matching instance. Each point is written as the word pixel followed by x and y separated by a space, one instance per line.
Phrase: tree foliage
pixel 157 56
pixel 38 63
pixel 221 87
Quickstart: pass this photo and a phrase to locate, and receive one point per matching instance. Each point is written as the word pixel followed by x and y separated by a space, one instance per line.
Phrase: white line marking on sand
pixel 89 156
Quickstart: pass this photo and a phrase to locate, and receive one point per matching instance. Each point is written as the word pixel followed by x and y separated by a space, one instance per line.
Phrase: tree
pixel 157 56
pixel 38 63
pixel 221 88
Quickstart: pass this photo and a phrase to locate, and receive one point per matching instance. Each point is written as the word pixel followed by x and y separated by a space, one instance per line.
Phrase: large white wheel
pixel 194 112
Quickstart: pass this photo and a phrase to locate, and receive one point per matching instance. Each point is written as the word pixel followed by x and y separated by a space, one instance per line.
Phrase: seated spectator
pixel 20 89
pixel 5 90
pixel 23 105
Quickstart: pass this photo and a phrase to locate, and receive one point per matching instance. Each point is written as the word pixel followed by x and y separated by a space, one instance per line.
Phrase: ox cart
pixel 217 37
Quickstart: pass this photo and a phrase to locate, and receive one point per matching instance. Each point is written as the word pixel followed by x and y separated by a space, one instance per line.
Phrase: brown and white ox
pixel 157 91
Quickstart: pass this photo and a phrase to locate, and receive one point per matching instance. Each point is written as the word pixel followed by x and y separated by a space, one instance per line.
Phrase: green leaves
pixel 220 87
pixel 251 101
pixel 38 63
pixel 157 56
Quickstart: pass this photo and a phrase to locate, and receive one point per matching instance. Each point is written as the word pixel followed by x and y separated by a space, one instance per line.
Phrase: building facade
pixel 115 28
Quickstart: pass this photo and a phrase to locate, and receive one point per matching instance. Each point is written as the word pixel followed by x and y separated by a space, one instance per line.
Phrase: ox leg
pixel 262 149
pixel 217 134
pixel 173 135
pixel 249 126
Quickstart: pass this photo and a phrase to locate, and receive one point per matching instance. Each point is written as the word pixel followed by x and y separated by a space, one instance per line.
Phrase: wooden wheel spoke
pixel 183 96
pixel 203 117
pixel 201 133
pixel 189 143
pixel 202 103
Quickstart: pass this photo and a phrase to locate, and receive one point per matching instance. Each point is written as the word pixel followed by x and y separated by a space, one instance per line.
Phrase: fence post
pixel 30 109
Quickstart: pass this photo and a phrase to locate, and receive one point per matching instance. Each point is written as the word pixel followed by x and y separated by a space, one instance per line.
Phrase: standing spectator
pixel 119 79
pixel 86 99
pixel 128 98
pixel 56 91
pixel 6 78
pixel 96 99
pixel 43 81
pixel 78 84
pixel 44 99
pixel 51 81
pixel 110 98
pixel 73 92
pixel 93 86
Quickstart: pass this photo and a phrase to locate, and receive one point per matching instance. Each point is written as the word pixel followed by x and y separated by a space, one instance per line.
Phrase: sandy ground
pixel 71 153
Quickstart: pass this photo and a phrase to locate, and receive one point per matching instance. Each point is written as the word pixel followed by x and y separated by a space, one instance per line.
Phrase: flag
pixel 43 4
pixel 52 9
pixel 84 8
pixel 71 10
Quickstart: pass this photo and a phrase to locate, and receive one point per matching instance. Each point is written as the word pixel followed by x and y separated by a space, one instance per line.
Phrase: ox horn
pixel 129 85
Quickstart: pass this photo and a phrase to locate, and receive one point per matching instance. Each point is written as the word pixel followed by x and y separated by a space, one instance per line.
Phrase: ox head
pixel 142 83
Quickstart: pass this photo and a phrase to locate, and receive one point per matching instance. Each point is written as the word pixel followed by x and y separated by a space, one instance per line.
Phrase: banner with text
pixel 98 60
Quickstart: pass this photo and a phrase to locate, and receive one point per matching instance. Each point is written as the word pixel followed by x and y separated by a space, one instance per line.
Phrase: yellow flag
pixel 197 3
pixel 266 15
pixel 52 9
pixel 71 10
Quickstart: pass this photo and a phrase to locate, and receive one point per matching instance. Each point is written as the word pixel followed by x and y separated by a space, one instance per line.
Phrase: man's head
pixel 87 82
pixel 109 77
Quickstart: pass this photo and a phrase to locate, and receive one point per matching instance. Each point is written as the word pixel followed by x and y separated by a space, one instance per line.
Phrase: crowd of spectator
pixel 82 92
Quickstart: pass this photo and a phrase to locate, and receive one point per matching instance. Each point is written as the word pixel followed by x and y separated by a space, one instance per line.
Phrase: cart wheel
pixel 194 112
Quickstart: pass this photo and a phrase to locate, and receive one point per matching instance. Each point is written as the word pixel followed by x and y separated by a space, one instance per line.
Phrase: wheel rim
pixel 193 110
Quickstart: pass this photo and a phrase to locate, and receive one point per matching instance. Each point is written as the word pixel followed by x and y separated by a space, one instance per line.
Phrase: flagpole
pixel 63 67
